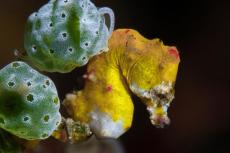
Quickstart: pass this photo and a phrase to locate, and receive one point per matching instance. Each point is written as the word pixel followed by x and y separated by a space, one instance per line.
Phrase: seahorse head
pixel 152 76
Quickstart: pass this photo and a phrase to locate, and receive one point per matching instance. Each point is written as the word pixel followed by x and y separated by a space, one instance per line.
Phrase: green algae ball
pixel 65 34
pixel 29 103
pixel 8 144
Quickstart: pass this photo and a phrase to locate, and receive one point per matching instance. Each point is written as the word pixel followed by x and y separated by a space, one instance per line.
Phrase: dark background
pixel 200 113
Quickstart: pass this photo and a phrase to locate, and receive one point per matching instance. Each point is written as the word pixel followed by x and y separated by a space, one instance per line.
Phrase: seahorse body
pixel 133 64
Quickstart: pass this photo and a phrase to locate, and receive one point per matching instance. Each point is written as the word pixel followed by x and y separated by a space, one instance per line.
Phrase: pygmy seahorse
pixel 135 64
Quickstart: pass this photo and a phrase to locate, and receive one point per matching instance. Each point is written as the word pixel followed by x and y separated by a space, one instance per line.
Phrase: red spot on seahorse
pixel 109 88
pixel 63 136
pixel 127 31
pixel 174 52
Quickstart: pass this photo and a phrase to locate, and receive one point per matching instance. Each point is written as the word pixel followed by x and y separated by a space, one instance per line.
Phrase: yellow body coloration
pixel 133 64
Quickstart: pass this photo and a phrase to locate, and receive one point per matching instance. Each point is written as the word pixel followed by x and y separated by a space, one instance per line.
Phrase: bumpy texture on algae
pixel 148 68
pixel 8 144
pixel 65 34
pixel 29 103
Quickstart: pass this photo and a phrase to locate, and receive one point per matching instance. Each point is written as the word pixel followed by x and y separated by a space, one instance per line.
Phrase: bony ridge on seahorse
pixel 135 64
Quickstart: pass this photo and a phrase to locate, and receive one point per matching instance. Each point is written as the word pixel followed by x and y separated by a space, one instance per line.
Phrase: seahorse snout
pixel 158 116
pixel 160 121
pixel 161 97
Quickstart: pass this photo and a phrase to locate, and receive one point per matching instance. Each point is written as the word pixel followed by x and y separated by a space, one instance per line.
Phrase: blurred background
pixel 200 114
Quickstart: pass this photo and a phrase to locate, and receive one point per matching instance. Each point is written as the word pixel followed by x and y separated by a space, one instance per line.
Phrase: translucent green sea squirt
pixel 65 34
pixel 29 103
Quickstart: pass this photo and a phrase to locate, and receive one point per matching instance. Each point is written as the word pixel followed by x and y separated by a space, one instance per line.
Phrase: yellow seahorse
pixel 135 64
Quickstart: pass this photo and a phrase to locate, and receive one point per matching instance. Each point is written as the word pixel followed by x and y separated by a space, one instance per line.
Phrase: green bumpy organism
pixel 65 34
pixel 29 103
pixel 8 144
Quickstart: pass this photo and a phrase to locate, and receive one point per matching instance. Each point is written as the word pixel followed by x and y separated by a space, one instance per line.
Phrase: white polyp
pixel 28 120
pixel 33 49
pixel 84 4
pixel 11 79
pixel 61 36
pixel 106 10
pixel 70 50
